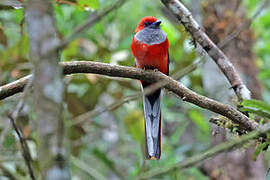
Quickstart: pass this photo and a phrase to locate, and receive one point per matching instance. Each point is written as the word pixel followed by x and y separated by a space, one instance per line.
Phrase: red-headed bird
pixel 150 49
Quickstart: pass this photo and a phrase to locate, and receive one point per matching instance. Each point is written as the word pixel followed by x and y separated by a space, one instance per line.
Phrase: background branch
pixel 94 18
pixel 243 26
pixel 25 149
pixel 198 158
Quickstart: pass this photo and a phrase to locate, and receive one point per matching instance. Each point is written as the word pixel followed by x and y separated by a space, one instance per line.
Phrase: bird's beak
pixel 155 24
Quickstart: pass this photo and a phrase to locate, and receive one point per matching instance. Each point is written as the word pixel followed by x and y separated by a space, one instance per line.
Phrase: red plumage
pixel 151 56
pixel 150 49
pixel 155 56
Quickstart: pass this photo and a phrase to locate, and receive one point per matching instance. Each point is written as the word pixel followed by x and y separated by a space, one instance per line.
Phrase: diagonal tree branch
pixel 172 85
pixel 25 149
pixel 198 158
pixel 185 17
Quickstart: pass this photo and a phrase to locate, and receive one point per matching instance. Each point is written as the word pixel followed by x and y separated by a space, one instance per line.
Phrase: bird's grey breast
pixel 151 36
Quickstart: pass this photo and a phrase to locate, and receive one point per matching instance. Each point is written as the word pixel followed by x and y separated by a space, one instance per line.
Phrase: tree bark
pixel 48 88
pixel 220 18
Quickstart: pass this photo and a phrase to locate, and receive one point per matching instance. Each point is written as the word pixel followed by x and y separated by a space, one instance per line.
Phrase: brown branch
pixel 184 93
pixel 185 17
pixel 96 112
pixel 14 87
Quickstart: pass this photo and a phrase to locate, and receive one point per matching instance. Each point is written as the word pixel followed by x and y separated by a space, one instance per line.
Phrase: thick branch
pixel 129 72
pixel 14 87
pixel 185 17
pixel 198 158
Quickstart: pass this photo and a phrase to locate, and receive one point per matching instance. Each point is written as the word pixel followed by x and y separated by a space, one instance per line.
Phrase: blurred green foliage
pixel 112 143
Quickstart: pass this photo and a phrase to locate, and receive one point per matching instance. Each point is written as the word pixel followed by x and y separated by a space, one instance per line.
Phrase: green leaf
pixel 259 150
pixel 264 74
pixel 257 107
pixel 92 4
pixel 199 121
pixel 103 157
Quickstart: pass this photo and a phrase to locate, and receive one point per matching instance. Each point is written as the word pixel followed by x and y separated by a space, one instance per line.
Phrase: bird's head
pixel 148 22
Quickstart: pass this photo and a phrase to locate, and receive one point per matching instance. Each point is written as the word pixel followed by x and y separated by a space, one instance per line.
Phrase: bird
pixel 150 48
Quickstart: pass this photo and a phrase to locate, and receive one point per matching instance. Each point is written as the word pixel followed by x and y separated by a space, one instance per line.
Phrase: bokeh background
pixel 110 144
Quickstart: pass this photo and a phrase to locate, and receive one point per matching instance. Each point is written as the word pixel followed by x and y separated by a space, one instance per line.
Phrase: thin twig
pixel 98 111
pixel 198 158
pixel 26 153
pixel 94 18
pixel 88 170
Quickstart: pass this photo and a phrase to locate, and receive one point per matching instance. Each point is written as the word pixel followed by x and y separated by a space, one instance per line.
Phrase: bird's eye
pixel 147 23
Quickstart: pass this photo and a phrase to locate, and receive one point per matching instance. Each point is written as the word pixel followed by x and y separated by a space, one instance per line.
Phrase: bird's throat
pixel 151 36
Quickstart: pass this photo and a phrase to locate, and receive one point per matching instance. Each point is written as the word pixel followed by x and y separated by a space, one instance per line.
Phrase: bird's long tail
pixel 152 123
